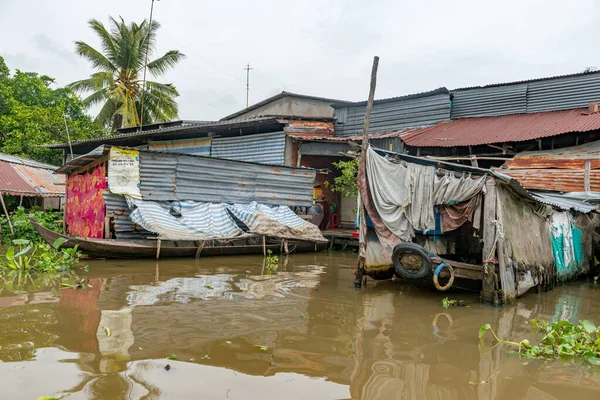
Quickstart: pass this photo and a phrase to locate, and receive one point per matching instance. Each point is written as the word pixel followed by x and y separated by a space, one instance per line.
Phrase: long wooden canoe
pixel 115 248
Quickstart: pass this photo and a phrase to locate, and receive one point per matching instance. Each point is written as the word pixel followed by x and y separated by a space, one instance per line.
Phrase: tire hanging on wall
pixel 415 252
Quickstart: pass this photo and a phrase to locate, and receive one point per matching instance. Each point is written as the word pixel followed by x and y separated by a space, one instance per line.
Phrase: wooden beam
pixel 90 165
pixel 488 291
pixel 12 232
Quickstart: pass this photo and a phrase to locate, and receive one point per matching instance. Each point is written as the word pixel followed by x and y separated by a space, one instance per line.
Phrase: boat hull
pixel 114 248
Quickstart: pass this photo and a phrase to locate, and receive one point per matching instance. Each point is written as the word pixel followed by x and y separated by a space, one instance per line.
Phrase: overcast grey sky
pixel 321 48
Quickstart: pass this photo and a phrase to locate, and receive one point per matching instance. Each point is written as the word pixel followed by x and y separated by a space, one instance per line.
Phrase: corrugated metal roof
pixel 529 80
pixel 568 201
pixel 561 170
pixel 573 157
pixel 502 129
pixel 357 138
pixel 434 92
pixel 24 180
pixel 560 180
pixel 25 161
pixel 206 126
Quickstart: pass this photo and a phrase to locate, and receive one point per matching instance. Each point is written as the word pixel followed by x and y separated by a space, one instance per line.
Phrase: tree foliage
pixel 346 182
pixel 117 83
pixel 33 113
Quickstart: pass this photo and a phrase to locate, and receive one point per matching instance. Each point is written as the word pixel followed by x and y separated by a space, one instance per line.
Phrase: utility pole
pixel 247 83
pixel 146 65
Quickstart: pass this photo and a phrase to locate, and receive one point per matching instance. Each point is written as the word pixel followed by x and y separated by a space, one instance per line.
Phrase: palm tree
pixel 118 80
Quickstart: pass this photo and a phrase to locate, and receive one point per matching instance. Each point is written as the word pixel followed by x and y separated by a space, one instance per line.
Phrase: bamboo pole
pixel 158 243
pixel 264 246
pixel 12 232
pixel 362 254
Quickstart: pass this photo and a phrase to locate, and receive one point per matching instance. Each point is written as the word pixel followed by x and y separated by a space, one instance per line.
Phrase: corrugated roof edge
pixel 441 90
pixel 103 149
pixel 238 123
pixel 213 124
pixel 25 161
pixel 277 97
pixel 525 81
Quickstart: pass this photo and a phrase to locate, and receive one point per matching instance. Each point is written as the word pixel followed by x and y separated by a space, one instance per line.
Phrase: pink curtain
pixel 85 208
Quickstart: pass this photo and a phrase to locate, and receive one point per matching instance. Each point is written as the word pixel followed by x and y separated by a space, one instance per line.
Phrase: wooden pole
pixel 158 243
pixel 264 246
pixel 362 253
pixel 12 232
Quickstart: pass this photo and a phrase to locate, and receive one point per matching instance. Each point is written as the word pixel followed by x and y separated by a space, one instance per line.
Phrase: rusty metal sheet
pixel 560 180
pixel 573 157
pixel 24 180
pixel 508 128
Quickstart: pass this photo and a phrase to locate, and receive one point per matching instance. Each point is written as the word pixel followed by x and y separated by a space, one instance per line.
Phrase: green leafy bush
pixel 24 229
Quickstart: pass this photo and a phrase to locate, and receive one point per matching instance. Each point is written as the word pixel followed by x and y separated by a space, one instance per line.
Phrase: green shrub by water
pixel 23 227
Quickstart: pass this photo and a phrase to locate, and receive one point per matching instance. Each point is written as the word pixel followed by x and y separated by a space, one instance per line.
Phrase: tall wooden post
pixel 488 291
pixel 12 232
pixel 362 253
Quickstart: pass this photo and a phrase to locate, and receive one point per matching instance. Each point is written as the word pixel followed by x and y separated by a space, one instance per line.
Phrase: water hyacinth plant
pixel 560 339
pixel 26 256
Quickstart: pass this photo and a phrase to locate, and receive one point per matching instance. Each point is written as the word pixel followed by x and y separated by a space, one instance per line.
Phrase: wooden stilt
pixel 158 243
pixel 200 248
pixel 12 231
pixel 157 273
pixel 264 246
pixel 285 246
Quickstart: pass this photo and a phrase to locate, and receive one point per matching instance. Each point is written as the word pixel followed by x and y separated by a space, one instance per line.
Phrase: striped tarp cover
pixel 190 220
pixel 195 220
pixel 278 221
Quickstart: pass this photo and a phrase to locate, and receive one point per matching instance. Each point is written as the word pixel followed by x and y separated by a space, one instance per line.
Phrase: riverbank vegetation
pixel 22 225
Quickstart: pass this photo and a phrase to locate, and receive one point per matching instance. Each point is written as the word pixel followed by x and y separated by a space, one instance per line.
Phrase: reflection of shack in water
pixel 396 359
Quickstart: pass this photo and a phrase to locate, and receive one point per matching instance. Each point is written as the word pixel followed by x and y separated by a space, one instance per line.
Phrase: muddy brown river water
pixel 303 332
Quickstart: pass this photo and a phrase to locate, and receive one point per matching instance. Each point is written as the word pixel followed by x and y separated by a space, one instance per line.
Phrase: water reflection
pixel 323 338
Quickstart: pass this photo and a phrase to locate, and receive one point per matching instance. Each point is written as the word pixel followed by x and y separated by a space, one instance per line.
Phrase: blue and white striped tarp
pixel 195 220
pixel 265 148
pixel 197 147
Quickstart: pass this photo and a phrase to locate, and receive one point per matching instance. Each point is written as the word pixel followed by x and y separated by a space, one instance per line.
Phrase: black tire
pixel 411 249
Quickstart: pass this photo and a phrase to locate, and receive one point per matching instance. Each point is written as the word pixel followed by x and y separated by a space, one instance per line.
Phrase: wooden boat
pixel 115 248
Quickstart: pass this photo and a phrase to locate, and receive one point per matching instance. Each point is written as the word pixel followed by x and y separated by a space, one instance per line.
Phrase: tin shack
pixel 133 202
pixel 447 225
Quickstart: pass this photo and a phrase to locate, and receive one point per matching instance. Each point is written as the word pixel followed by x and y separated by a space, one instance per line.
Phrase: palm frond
pixel 108 44
pixel 98 60
pixel 107 113
pixel 161 65
pixel 95 98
